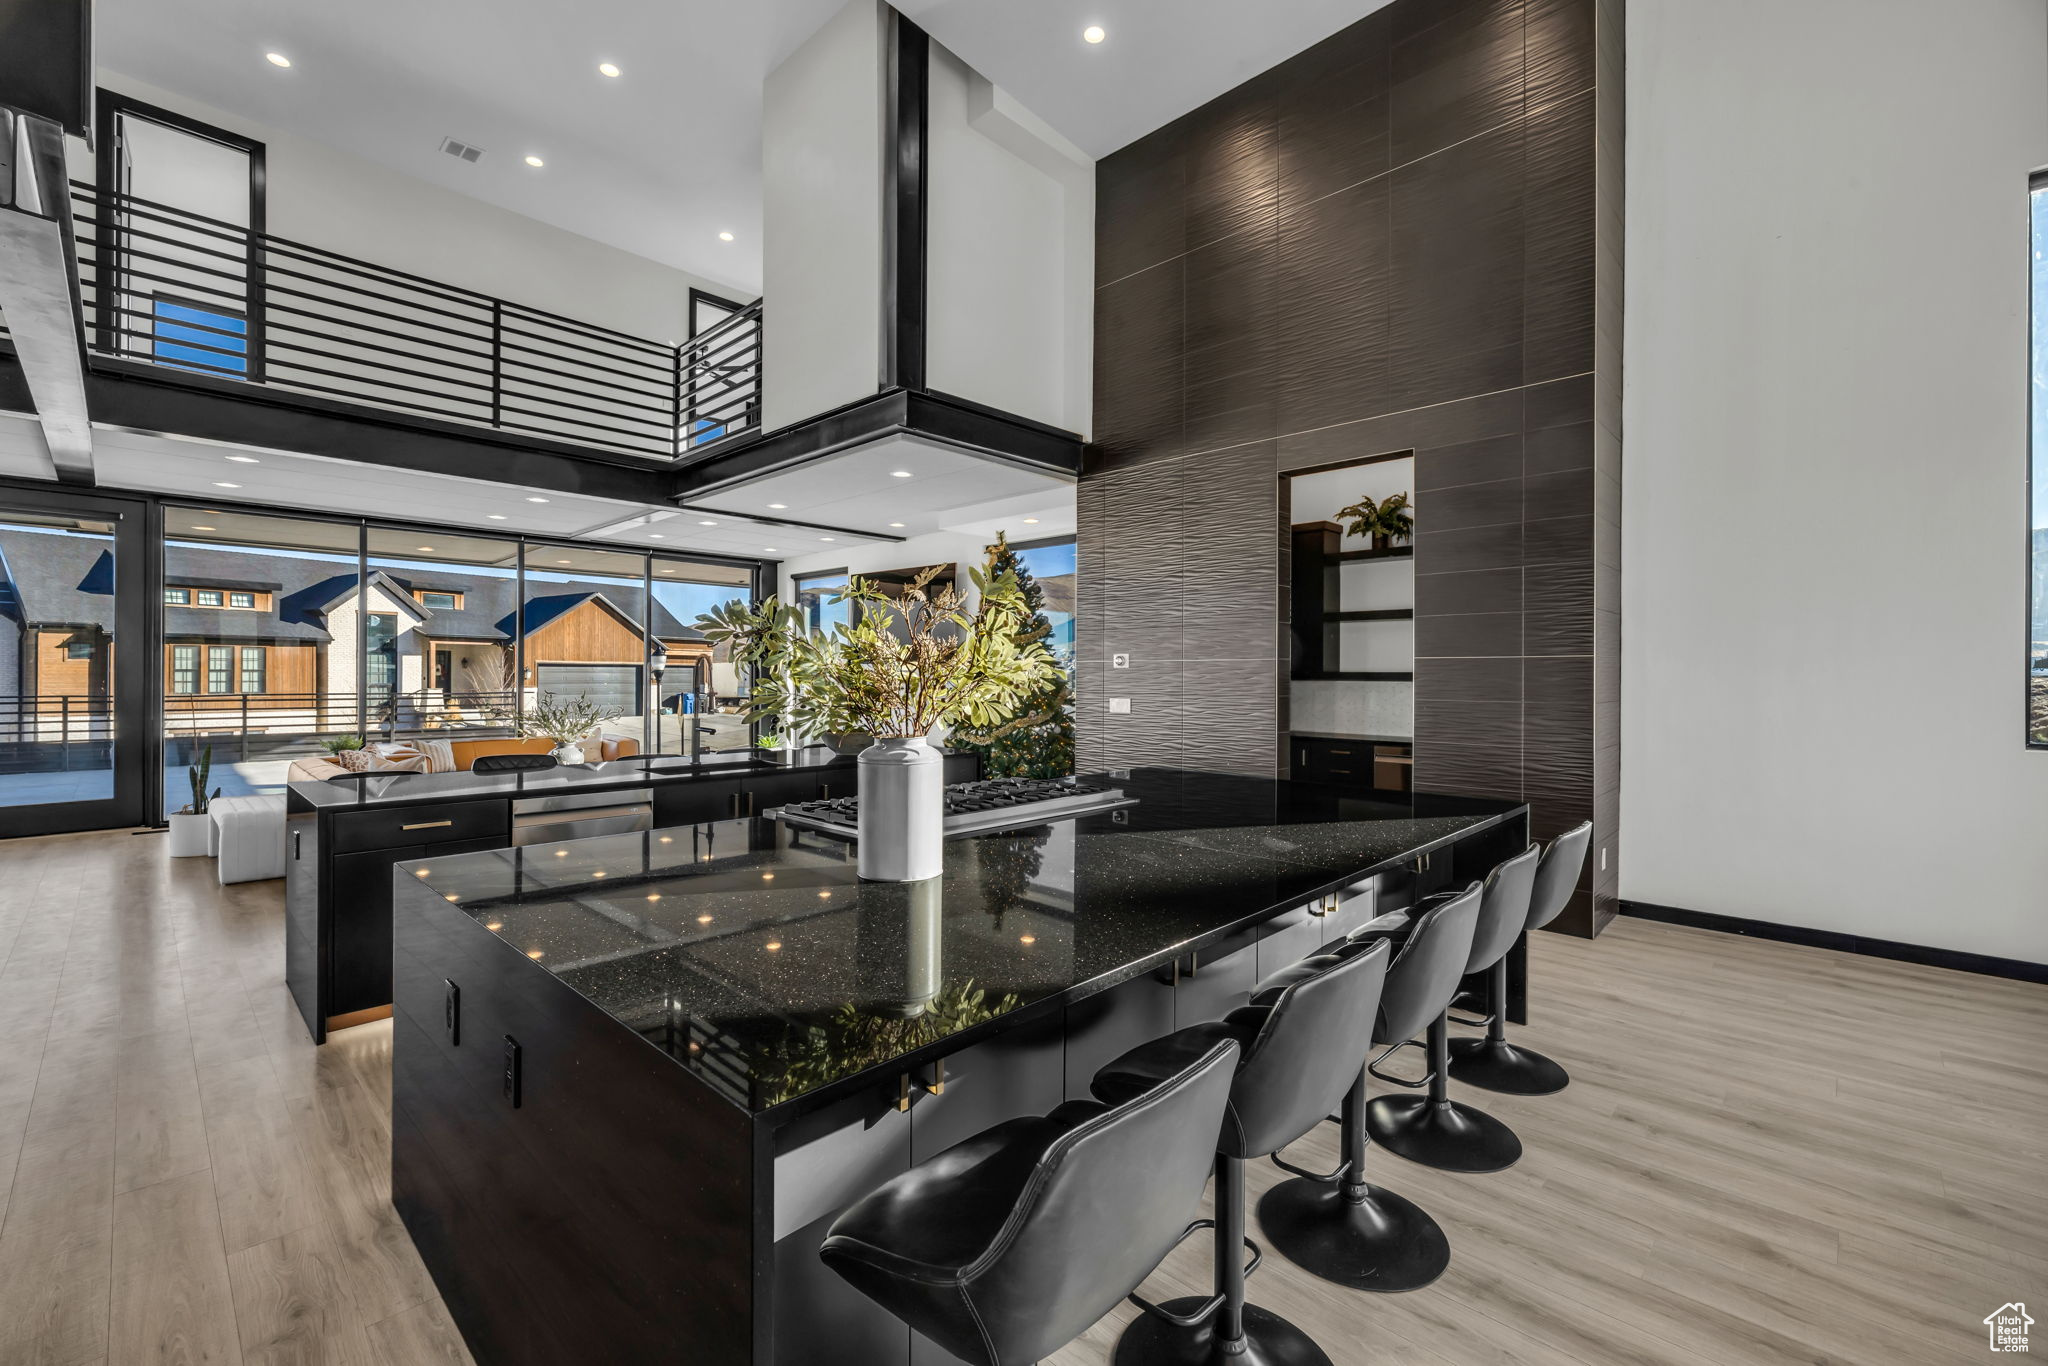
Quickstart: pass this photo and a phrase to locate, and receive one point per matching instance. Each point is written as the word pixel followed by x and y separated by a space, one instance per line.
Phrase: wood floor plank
pixel 171 1303
pixel 421 1336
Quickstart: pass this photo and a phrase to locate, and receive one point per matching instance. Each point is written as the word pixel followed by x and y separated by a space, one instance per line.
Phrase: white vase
pixel 902 810
pixel 568 754
pixel 188 835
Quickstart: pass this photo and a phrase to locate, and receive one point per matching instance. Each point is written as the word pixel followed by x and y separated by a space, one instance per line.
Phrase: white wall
pixel 1010 274
pixel 1825 401
pixel 329 198
pixel 821 184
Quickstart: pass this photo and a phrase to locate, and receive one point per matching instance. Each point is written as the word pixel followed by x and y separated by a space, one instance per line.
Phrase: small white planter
pixel 568 754
pixel 189 835
pixel 902 811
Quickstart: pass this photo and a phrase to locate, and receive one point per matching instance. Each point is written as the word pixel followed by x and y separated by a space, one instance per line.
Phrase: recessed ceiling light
pixel 607 69
pixel 824 538
pixel 656 536
pixel 245 460
pixel 707 524
pixel 223 484
pixel 536 500
pixel 1030 521
pixel 535 162
pixel 725 237
pixel 769 550
pixel 277 59
pixel 1093 34
pixel 497 517
pixel 424 549
pixel 561 562
pixel 778 505
pixel 899 474
pixel 202 528
pixel 668 571
pixel 895 524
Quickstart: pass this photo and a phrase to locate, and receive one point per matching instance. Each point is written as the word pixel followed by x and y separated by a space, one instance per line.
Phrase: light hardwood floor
pixel 1767 1154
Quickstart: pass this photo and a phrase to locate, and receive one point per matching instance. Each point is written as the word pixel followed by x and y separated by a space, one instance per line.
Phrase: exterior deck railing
pixel 207 297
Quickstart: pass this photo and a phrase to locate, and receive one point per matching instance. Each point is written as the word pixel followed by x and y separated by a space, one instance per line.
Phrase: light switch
pixel 1119 661
pixel 1120 706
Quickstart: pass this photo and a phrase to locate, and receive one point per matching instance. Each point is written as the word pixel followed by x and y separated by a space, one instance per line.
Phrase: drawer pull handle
pixel 1340 751
pixel 426 825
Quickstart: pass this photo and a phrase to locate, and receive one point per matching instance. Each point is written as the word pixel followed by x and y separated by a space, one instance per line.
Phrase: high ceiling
pixel 1158 58
pixel 658 161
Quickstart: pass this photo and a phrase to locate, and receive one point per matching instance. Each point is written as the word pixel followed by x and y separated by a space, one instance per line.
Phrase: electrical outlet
pixel 1119 661
pixel 1120 706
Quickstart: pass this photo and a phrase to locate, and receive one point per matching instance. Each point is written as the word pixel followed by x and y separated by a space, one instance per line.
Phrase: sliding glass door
pixel 72 581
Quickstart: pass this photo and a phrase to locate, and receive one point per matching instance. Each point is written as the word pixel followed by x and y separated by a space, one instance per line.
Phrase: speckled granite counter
pixel 634 1077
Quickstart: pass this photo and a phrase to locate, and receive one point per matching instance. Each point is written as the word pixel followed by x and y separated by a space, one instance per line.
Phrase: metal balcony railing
pixel 202 296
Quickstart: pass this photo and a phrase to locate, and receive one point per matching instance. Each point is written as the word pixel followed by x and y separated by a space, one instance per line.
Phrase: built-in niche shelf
pixel 1356 677
pixel 1321 652
pixel 1392 552
pixel 1375 614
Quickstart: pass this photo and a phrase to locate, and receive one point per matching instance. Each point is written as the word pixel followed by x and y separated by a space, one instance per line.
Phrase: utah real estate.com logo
pixel 2007 1326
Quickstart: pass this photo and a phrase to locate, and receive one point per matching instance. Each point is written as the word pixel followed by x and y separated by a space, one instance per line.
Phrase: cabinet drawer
pixel 1344 762
pixel 359 830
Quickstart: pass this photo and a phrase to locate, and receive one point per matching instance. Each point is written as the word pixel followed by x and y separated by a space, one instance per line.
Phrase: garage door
pixel 615 687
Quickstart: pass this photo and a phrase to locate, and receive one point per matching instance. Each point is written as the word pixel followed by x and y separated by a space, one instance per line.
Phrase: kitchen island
pixel 636 1076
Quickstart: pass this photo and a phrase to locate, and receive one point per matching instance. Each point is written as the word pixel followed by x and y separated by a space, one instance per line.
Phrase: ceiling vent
pixel 460 149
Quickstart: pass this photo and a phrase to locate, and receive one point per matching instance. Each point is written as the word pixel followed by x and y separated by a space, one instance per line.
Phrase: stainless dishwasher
pixel 581 815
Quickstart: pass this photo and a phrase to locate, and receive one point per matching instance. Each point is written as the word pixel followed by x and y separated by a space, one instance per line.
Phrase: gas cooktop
pixel 971 808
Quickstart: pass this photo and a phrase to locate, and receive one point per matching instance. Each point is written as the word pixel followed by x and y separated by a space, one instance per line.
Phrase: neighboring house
pixel 272 634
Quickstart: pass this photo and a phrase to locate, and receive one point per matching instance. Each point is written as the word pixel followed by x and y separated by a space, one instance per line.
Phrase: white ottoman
pixel 248 834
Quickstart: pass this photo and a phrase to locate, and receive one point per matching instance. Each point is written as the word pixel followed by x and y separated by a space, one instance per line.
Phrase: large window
pixel 1051 566
pixel 380 657
pixel 814 594
pixel 2037 521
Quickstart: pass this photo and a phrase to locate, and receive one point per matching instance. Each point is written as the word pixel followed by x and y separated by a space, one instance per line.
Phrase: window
pixel 209 597
pixel 220 668
pixel 252 668
pixel 440 602
pixel 380 634
pixel 241 599
pixel 210 341
pixel 177 597
pixel 78 649
pixel 1051 567
pixel 814 594
pixel 185 669
pixel 2037 482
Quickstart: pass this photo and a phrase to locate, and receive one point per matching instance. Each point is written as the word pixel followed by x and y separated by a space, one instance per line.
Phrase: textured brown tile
pixel 1470 770
pixel 1141 205
pixel 1470 505
pixel 1470 462
pixel 1232 337
pixel 1232 167
pixel 1558 611
pixel 1139 322
pixel 1230 716
pixel 1470 633
pixel 1558 403
pixel 1457 78
pixel 1333 261
pixel 1558 268
pixel 1558 538
pixel 1454 307
pixel 1553 449
pixel 1569 494
pixel 1483 590
pixel 1465 721
pixel 1332 111
pixel 1560 49
pixel 1144 597
pixel 1450 552
pixel 1230 513
pixel 1404 432
pixel 1462 680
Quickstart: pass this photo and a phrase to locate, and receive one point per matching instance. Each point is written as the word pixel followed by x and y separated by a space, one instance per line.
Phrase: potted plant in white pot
pixel 568 721
pixel 189 823
pixel 945 666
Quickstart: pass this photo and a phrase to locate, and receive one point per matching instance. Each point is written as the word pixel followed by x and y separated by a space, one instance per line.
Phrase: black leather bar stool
pixel 1008 1245
pixel 1492 1063
pixel 1338 1225
pixel 1302 1043
pixel 1432 1128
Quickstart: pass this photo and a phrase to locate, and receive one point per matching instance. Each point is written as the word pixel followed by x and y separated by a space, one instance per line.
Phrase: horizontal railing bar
pixel 555 404
pixel 652 450
pixel 178 322
pixel 724 353
pixel 291 293
pixel 155 341
pixel 657 449
pixel 191 222
pixel 509 345
pixel 240 300
pixel 749 314
pixel 481 320
pixel 285 360
pixel 664 366
pixel 282 355
pixel 593 331
pixel 665 410
pixel 146 235
pixel 242 275
pixel 274 326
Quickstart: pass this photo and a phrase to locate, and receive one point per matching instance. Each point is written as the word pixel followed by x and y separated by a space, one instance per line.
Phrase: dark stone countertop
pixel 374 790
pixel 753 954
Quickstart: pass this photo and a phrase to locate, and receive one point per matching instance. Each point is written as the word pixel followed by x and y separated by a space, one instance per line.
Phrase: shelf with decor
pixel 1321 613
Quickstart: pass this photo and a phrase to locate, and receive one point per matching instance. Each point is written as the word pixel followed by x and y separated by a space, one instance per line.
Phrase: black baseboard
pixel 1845 943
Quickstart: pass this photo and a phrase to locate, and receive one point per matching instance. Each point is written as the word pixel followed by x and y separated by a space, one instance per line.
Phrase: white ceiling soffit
pixel 1158 58
pixel 899 485
pixel 658 161
pixel 200 471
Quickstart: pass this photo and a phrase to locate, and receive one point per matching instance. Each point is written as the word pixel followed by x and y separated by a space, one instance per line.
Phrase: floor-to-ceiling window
pixel 702 694
pixel 444 652
pixel 2037 519
pixel 583 635
pixel 1051 566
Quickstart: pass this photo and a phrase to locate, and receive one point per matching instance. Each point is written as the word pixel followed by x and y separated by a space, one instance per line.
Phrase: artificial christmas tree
pixel 1039 741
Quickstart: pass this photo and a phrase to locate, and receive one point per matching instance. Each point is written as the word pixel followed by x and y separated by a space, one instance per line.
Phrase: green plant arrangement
pixel 564 720
pixel 1385 521
pixel 1039 741
pixel 197 774
pixel 769 742
pixel 341 744
pixel 946 666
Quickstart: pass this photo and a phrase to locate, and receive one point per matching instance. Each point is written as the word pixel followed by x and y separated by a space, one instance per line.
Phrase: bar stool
pixel 1336 1224
pixel 1300 1042
pixel 1492 1063
pixel 1432 1128
pixel 1008 1245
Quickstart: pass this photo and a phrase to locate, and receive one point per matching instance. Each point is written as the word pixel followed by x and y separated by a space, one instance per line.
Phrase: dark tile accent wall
pixel 1407 238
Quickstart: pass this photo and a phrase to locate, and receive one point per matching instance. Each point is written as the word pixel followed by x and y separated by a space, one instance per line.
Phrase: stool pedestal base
pixel 1268 1340
pixel 1496 1065
pixel 1365 1238
pixel 1442 1134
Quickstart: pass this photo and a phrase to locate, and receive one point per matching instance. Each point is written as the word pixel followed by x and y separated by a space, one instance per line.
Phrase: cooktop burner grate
pixel 991 804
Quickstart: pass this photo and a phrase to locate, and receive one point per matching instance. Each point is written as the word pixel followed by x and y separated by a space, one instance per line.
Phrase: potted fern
pixel 944 666
pixel 189 824
pixel 1386 521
